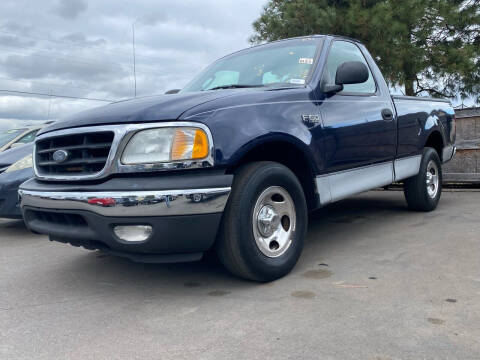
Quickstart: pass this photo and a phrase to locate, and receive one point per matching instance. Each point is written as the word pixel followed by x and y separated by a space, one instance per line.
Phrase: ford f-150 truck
pixel 236 159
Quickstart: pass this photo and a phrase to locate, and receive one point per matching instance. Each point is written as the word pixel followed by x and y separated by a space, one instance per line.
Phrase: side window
pixel 340 52
pixel 27 138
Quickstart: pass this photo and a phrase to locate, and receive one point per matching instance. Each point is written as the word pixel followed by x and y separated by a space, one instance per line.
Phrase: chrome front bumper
pixel 131 203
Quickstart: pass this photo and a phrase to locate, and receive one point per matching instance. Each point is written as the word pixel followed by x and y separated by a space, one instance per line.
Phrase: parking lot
pixel 375 281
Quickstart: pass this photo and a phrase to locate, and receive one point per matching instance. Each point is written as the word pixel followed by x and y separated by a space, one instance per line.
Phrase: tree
pixel 429 46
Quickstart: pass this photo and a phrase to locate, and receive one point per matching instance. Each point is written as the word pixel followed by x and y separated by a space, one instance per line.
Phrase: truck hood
pixel 152 108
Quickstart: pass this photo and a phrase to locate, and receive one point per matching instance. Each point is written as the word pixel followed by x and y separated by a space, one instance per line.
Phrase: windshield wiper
pixel 234 86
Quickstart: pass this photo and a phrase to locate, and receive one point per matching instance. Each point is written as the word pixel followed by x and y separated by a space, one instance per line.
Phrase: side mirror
pixel 173 91
pixel 351 72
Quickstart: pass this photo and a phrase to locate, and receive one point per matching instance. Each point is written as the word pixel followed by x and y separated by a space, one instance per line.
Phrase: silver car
pixel 16 137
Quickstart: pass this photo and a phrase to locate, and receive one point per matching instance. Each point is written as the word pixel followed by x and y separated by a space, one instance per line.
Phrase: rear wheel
pixel 423 191
pixel 264 223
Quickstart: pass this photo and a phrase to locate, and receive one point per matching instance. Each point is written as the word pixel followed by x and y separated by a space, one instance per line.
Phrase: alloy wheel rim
pixel 274 221
pixel 432 179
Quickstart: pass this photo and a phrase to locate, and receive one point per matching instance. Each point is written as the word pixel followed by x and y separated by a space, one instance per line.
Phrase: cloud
pixel 18 28
pixel 31 109
pixel 70 9
pixel 37 65
pixel 90 55
pixel 80 39
pixel 12 40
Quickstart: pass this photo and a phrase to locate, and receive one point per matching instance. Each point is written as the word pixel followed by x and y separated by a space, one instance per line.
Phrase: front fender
pixel 273 138
pixel 237 129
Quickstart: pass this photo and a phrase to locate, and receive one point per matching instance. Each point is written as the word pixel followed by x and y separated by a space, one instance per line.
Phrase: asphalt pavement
pixel 375 281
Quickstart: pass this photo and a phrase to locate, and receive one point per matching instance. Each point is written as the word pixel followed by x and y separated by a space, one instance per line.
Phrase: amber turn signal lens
pixel 200 145
pixel 189 144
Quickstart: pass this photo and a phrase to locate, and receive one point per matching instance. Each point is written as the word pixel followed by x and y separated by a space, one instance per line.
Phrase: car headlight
pixel 166 145
pixel 24 163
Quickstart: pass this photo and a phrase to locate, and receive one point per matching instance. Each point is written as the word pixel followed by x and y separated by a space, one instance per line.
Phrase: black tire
pixel 416 189
pixel 236 246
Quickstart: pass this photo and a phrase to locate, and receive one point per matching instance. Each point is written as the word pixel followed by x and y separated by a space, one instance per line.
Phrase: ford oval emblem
pixel 60 156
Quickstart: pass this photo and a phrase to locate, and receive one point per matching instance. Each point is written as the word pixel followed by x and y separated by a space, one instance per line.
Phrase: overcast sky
pixel 83 48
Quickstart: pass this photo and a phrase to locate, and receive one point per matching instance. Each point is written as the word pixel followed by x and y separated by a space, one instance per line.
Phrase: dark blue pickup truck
pixel 236 159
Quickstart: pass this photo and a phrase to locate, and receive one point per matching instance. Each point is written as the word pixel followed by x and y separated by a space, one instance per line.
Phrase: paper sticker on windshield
pixel 297 81
pixel 308 61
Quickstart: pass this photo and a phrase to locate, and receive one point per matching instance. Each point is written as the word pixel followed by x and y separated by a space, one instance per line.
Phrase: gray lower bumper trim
pixel 132 203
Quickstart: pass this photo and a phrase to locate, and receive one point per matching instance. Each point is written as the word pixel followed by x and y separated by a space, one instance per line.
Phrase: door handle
pixel 387 114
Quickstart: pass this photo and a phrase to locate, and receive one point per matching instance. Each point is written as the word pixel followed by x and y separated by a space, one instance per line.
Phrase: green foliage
pixel 429 46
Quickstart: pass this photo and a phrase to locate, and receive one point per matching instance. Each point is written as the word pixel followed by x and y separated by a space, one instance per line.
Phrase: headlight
pixel 24 163
pixel 166 145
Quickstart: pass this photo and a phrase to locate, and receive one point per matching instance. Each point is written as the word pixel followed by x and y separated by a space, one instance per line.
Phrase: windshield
pixel 280 63
pixel 8 135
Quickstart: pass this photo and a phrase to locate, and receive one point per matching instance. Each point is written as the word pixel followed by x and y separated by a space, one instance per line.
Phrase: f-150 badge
pixel 311 120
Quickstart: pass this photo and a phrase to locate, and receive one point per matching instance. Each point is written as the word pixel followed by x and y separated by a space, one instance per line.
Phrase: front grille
pixel 54 218
pixel 87 153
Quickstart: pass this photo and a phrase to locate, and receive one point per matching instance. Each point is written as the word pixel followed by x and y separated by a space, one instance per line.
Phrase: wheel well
pixel 290 156
pixel 435 141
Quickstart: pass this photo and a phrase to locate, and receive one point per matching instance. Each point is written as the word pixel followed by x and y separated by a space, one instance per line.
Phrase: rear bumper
pixel 184 222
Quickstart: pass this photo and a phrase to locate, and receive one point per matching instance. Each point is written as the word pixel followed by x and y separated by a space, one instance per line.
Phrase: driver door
pixel 355 132
pixel 359 142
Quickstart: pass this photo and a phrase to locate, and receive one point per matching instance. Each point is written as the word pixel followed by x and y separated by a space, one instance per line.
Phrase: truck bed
pixel 416 116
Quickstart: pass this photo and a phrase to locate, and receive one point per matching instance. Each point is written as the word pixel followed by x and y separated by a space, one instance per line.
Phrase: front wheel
pixel 264 224
pixel 423 191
